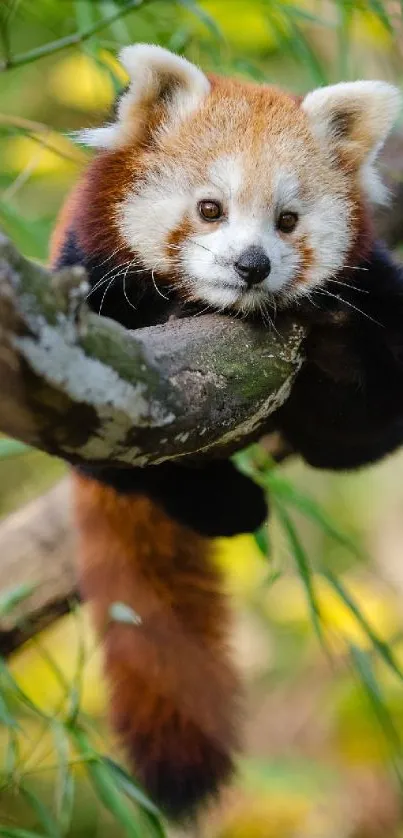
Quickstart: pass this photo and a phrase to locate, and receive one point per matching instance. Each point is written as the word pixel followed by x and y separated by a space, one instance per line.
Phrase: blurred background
pixel 319 595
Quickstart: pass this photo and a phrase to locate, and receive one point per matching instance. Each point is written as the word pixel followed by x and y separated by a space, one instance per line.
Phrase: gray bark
pixel 81 387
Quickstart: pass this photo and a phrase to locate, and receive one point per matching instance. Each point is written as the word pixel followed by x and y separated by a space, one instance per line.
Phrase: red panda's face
pixel 240 194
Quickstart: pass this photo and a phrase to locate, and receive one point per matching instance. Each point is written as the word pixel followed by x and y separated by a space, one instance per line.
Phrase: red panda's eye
pixel 287 222
pixel 210 210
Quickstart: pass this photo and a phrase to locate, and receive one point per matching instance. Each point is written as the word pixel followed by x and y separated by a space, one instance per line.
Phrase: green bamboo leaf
pixel 130 787
pixel 12 753
pixel 262 540
pixel 363 666
pixel 380 11
pixel 204 17
pixel 305 16
pixel 288 493
pixel 10 683
pixel 105 787
pixel 381 647
pixel 51 663
pixel 292 39
pixel 43 814
pixel 64 789
pixel 119 30
pixel 303 566
pixel 6 717
pixel 53 47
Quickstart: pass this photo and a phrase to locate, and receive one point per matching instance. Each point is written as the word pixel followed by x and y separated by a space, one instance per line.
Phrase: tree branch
pixel 37 547
pixel 83 388
pixel 70 40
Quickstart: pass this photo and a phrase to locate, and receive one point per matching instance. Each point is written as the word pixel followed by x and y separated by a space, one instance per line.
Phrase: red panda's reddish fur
pixel 173 689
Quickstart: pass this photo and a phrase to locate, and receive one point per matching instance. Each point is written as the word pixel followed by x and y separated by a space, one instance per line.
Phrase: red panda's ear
pixel 352 120
pixel 163 89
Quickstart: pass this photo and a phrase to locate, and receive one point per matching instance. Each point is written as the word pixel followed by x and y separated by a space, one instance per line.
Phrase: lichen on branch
pixel 83 388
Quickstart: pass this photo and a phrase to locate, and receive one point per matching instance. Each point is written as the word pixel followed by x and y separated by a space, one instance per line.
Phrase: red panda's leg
pixel 173 689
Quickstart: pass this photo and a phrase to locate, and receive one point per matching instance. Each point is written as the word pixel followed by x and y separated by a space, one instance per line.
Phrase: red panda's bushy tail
pixel 172 686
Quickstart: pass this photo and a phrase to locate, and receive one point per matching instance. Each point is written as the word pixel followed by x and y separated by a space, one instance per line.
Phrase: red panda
pixel 216 193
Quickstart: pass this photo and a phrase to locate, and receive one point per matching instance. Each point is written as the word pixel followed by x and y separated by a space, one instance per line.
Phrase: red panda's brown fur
pixel 173 690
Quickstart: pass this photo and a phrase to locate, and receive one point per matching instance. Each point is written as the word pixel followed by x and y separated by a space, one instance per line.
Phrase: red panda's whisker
pixel 347 303
pixel 347 285
pixel 201 245
pixel 105 277
pixel 105 293
pixel 125 292
pixel 108 258
pixel 119 270
pixel 97 286
pixel 156 288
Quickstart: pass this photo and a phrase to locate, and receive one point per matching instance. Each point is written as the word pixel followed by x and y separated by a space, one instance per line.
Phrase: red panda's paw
pixel 180 766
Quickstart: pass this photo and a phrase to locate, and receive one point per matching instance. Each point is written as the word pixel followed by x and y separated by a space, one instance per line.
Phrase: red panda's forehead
pixel 261 128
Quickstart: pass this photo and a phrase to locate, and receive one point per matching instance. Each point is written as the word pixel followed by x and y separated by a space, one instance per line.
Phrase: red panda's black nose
pixel 253 266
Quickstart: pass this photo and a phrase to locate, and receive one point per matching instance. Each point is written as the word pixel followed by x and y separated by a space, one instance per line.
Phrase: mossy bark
pixel 83 388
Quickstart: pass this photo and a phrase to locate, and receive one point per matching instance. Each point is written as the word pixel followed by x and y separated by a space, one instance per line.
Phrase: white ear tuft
pixel 152 68
pixel 352 120
pixel 163 89
pixel 104 137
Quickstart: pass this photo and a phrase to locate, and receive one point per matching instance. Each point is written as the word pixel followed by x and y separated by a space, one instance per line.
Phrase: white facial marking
pixel 204 263
pixel 209 257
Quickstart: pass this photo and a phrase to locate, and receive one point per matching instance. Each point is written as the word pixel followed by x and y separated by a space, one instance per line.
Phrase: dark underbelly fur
pixel 345 409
